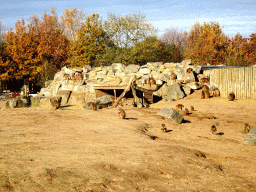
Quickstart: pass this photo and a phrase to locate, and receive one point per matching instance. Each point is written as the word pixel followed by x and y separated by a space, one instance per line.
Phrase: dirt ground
pixel 74 149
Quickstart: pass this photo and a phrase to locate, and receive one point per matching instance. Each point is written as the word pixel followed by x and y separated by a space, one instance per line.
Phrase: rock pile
pixel 173 80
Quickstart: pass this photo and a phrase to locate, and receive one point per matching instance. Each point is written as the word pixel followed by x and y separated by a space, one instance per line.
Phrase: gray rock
pixel 187 90
pixel 250 138
pixel 145 70
pixel 103 101
pixel 189 77
pixel 46 92
pixel 170 93
pixel 186 62
pixel 65 94
pixel 164 77
pixel 180 74
pixel 131 69
pixel 171 114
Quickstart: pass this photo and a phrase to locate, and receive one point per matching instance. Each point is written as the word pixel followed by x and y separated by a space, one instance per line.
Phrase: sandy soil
pixel 73 149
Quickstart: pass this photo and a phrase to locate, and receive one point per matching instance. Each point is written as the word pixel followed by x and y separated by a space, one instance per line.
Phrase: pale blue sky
pixel 235 16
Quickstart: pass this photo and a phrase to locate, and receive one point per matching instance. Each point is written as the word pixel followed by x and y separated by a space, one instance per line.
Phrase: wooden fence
pixel 241 81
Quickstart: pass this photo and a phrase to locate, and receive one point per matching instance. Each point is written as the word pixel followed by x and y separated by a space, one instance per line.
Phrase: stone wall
pixel 174 80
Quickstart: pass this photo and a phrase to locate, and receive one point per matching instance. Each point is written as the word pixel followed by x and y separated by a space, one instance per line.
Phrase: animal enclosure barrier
pixel 241 81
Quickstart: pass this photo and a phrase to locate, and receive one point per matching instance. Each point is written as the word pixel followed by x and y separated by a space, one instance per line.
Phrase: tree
pixel 36 50
pixel 250 49
pixel 174 36
pixel 206 44
pixel 236 51
pixel 128 30
pixel 90 44
pixel 152 50
pixel 71 21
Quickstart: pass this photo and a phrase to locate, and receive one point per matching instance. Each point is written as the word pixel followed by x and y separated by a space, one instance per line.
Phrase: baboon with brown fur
pixel 93 105
pixel 189 70
pixel 173 76
pixel 214 130
pixel 151 81
pixel 246 128
pixel 164 129
pixel 202 95
pixel 186 112
pixel 122 113
pixel 231 96
pixel 207 94
pixel 216 92
pixel 179 106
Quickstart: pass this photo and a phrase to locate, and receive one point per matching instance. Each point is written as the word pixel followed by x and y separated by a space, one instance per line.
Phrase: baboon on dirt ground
pixel 186 112
pixel 246 128
pixel 231 96
pixel 55 102
pixel 93 105
pixel 214 130
pixel 202 95
pixel 122 113
pixel 216 92
pixel 164 129
pixel 179 106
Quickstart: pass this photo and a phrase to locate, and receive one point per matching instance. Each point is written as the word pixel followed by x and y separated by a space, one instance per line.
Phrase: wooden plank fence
pixel 241 81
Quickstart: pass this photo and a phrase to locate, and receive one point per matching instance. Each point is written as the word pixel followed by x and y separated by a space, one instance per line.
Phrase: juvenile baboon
pixel 246 128
pixel 192 108
pixel 214 130
pixel 122 113
pixel 202 95
pixel 173 76
pixel 186 112
pixel 93 105
pixel 205 80
pixel 216 92
pixel 78 76
pixel 164 129
pixel 66 76
pixel 231 96
pixel 56 104
pixel 189 70
pixel 179 106
pixel 151 81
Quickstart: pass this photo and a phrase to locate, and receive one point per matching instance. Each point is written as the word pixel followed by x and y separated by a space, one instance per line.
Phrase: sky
pixel 235 16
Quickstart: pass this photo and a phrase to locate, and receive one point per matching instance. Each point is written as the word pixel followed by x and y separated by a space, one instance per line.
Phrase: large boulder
pixel 250 138
pixel 103 102
pixel 76 98
pixel 131 69
pixel 170 93
pixel 171 114
pixel 65 94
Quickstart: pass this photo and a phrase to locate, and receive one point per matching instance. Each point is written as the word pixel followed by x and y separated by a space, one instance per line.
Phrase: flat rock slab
pixel 65 94
pixel 171 114
pixel 250 138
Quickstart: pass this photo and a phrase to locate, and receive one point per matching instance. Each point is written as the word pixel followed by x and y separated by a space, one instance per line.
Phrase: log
pixel 122 95
pixel 136 98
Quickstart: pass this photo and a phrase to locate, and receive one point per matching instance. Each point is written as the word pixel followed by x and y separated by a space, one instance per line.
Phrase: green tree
pixel 91 43
pixel 129 29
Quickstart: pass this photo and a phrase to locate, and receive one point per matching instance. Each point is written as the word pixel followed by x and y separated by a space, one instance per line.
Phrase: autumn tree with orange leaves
pixel 36 50
pixel 206 44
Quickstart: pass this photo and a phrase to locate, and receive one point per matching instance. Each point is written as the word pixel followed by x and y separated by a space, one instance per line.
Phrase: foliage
pixel 91 42
pixel 71 21
pixel 153 50
pixel 236 52
pixel 206 44
pixel 174 36
pixel 32 46
pixel 128 30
